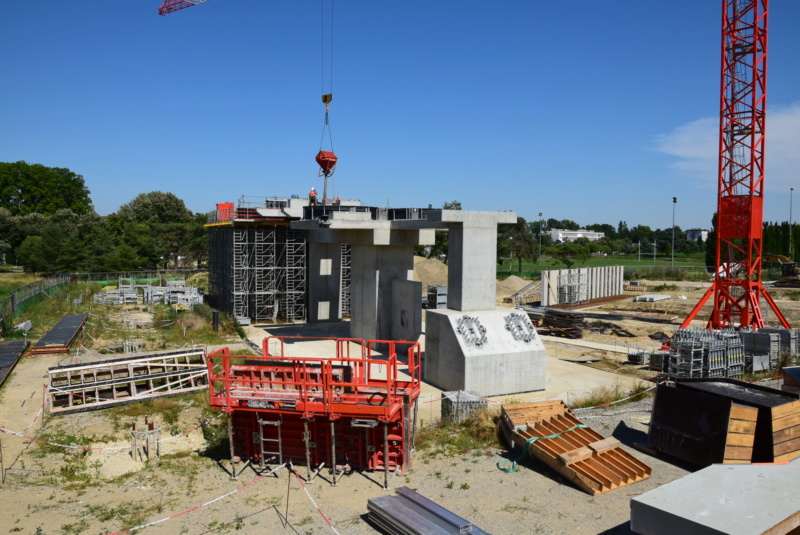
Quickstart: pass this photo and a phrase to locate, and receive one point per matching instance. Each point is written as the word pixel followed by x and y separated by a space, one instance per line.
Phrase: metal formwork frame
pixel 353 408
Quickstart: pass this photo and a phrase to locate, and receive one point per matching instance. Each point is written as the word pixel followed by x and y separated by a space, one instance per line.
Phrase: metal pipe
pixel 385 455
pixel 333 453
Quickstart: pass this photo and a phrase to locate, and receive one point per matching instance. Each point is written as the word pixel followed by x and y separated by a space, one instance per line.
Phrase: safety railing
pixel 351 382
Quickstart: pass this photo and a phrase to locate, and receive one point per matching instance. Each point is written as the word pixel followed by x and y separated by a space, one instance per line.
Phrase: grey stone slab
pixel 742 499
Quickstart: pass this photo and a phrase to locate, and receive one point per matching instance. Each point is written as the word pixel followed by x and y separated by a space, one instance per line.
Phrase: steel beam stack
pixel 411 513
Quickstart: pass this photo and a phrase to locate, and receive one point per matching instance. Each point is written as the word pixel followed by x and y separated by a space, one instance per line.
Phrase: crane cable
pixel 326 96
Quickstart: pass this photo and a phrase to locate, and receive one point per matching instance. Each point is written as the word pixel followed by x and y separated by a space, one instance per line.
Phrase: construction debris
pixel 550 432
pixel 99 385
pixel 410 513
pixel 562 323
pixel 60 338
pixel 650 298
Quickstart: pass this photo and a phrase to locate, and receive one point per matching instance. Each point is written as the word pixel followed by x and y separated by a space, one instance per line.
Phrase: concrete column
pixel 374 267
pixel 324 282
pixel 472 267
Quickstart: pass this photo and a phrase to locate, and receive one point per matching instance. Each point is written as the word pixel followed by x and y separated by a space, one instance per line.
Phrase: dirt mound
pixel 511 285
pixel 430 272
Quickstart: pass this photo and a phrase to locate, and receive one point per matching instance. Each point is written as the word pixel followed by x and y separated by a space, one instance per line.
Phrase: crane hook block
pixel 326 99
pixel 327 161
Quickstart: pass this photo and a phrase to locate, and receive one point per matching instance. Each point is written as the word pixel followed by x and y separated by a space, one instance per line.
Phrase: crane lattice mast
pixel 170 6
pixel 737 287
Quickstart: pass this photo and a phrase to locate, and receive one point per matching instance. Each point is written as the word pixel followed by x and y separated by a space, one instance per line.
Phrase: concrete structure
pixel 561 235
pixel 382 251
pixel 571 286
pixel 473 345
pixel 731 499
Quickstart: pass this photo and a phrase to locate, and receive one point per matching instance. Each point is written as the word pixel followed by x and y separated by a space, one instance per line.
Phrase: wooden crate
pixel 701 428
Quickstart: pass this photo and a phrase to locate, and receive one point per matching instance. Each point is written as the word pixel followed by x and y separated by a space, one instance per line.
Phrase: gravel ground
pixel 534 499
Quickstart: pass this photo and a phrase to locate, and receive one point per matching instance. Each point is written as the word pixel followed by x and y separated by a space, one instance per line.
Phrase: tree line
pixel 48 225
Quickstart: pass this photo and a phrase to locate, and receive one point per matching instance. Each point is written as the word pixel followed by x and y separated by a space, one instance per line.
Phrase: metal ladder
pixel 263 442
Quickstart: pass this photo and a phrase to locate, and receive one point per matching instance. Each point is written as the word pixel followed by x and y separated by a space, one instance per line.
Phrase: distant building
pixel 693 233
pixel 561 236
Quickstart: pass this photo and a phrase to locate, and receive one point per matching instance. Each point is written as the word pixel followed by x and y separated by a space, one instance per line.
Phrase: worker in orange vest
pixel 312 197
pixel 337 201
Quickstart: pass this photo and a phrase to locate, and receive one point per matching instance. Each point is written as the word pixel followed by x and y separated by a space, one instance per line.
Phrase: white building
pixel 561 236
pixel 693 233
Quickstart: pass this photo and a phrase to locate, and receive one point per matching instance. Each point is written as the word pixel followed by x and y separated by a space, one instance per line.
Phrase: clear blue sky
pixel 591 111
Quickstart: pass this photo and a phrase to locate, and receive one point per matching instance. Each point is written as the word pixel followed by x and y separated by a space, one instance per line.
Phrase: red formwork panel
pixel 352 408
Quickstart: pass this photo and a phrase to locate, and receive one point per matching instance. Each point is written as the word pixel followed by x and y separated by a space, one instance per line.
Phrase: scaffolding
pixel 257 271
pixel 257 264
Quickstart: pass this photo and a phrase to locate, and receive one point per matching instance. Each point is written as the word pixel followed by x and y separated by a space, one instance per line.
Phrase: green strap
pixel 526 447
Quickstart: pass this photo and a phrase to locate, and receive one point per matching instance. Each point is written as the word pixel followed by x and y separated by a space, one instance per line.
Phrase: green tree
pixel 518 242
pixel 31 255
pixel 155 207
pixel 27 188
pixel 569 253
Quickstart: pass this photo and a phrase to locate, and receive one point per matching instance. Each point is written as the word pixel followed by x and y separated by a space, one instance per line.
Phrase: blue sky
pixel 595 112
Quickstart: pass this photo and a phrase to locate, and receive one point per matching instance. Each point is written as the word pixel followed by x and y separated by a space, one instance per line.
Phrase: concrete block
pixel 722 499
pixel 491 352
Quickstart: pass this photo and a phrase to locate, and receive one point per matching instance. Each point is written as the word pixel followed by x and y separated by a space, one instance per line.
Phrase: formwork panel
pixel 348 409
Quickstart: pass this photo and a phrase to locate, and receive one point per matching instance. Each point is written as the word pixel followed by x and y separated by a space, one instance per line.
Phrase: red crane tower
pixel 737 287
pixel 175 5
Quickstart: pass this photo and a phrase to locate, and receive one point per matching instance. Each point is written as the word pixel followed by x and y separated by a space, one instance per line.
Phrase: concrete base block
pixel 490 352
pixel 722 499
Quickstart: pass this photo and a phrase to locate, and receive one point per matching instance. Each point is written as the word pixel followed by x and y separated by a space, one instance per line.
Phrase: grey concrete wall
pixel 500 365
pixel 324 282
pixel 602 281
pixel 373 270
pixel 406 310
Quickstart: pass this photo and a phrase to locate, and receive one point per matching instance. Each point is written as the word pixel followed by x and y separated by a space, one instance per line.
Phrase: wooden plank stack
pixel 550 432
pixel 562 323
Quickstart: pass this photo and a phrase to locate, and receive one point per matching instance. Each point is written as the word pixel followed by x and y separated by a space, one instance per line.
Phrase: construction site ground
pixel 99 488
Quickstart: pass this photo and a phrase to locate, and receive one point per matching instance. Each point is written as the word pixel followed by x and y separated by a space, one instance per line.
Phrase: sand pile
pixel 511 285
pixel 430 272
